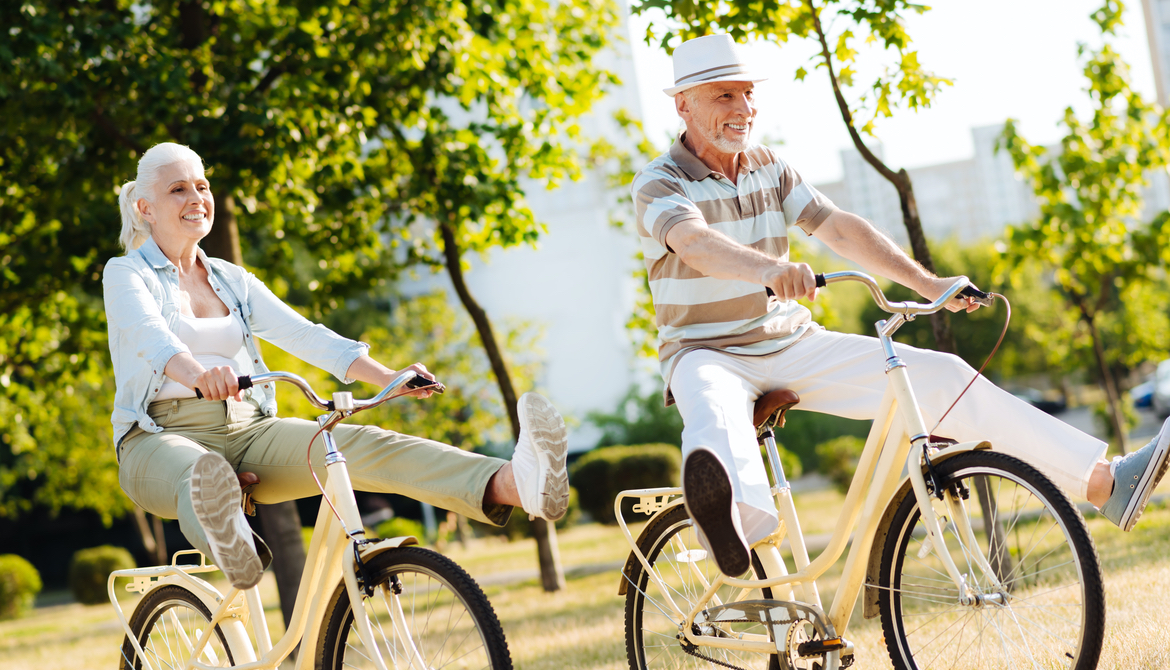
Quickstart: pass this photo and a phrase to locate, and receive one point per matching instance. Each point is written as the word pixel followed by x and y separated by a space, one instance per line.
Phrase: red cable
pixel 994 349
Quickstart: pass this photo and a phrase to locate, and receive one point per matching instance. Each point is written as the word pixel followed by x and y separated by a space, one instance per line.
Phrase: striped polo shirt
pixel 695 311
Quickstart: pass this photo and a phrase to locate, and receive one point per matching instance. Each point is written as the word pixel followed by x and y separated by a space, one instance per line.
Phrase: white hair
pixel 136 229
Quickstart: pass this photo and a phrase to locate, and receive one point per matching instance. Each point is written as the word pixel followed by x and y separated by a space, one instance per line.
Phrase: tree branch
pixel 843 105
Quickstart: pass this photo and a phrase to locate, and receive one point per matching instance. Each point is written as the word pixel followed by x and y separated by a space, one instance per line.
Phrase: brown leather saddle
pixel 771 408
pixel 248 482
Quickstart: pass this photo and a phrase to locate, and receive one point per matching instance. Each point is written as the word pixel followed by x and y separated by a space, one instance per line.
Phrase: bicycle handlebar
pixel 409 378
pixel 962 286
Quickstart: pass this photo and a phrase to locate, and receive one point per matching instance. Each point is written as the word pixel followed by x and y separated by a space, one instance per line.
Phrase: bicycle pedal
pixel 814 648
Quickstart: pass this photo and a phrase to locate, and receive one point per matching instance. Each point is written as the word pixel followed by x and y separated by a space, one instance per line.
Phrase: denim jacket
pixel 142 309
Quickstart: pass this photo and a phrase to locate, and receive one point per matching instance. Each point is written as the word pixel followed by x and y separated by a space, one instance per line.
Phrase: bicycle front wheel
pixel 443 618
pixel 1040 600
pixel 653 641
pixel 167 624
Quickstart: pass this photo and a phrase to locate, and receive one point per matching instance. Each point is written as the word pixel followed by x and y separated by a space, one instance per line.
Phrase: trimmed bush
pixel 90 571
pixel 603 473
pixel 19 585
pixel 838 458
pixel 399 526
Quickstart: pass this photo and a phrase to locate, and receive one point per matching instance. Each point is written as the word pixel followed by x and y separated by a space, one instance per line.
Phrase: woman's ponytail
pixel 135 230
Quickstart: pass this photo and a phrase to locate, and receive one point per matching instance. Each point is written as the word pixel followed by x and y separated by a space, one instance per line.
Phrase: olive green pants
pixel 155 468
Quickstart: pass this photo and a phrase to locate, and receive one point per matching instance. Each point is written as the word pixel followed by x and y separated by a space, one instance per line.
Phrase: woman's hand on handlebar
pixel 219 383
pixel 936 286
pixel 422 372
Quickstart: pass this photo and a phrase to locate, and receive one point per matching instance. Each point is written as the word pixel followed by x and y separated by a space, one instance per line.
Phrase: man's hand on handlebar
pixel 791 281
pixel 936 286
pixel 218 383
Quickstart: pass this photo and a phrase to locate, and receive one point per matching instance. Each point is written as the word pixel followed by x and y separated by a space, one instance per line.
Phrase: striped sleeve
pixel 660 203
pixel 803 205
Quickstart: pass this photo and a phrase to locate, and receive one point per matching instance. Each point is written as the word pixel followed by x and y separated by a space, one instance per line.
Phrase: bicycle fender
pixel 870 603
pixel 632 559
pixel 372 549
pixel 233 628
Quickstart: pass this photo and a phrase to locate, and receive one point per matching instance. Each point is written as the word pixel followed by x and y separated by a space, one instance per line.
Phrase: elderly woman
pixel 179 320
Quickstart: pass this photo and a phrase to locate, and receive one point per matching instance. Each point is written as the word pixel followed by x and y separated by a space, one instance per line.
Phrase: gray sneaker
pixel 215 495
pixel 1135 476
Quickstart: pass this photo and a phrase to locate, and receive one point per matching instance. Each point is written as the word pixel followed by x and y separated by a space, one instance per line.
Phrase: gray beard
pixel 720 142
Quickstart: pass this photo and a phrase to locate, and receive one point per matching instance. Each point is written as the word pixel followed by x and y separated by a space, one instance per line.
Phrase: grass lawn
pixel 582 626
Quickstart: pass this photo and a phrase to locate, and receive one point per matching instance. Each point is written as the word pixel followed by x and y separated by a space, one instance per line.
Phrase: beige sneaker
pixel 538 464
pixel 215 495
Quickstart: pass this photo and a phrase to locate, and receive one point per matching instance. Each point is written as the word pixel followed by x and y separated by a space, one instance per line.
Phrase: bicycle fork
pixel 918 460
pixel 340 489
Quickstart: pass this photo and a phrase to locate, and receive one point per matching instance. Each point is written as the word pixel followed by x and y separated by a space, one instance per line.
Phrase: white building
pixel 1157 15
pixel 578 285
pixel 969 200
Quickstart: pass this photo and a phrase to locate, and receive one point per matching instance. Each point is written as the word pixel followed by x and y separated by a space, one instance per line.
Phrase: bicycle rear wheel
pixel 167 623
pixel 1049 611
pixel 450 622
pixel 672 549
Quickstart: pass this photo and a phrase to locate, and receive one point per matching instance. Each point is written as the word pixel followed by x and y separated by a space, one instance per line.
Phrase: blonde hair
pixel 136 229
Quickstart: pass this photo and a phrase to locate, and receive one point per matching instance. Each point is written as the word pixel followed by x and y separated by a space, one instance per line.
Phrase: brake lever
pixel 980 297
pixel 421 382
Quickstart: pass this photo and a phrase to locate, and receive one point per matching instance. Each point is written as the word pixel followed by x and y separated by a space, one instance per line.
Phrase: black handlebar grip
pixel 421 382
pixel 244 381
pixel 978 296
pixel 820 281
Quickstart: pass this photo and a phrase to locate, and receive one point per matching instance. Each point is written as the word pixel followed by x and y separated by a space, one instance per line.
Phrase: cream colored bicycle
pixel 971 558
pixel 418 608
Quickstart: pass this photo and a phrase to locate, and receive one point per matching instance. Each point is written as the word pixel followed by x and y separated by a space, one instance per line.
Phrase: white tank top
pixel 213 342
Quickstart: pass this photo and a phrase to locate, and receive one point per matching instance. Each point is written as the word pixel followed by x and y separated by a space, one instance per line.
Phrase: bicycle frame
pixel 897 437
pixel 330 553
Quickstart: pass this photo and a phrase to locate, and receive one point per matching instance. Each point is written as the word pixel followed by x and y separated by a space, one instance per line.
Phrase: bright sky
pixel 1008 58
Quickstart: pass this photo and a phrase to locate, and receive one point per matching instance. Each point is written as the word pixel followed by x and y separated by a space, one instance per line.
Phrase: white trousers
pixel 844 375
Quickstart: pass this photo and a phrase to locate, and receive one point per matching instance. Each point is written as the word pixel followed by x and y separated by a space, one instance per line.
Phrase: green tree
pixel 1104 259
pixel 839 28
pixel 364 135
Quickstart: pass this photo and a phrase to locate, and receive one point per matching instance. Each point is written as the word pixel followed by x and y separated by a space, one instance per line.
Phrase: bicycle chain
pixel 692 649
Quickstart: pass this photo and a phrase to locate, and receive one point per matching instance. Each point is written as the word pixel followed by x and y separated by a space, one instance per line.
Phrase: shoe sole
pixel 215 495
pixel 708 498
pixel 1153 474
pixel 549 439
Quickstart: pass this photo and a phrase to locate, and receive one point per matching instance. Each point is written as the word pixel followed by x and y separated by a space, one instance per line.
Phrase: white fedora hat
pixel 708 59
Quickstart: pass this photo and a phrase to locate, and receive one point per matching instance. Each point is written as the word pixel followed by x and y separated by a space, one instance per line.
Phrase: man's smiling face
pixel 721 114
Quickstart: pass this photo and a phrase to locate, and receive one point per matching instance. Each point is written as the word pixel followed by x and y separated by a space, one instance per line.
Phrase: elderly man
pixel 713 215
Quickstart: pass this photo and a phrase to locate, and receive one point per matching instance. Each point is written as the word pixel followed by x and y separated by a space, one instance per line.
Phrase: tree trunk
pixel 280 524
pixel 997 550
pixel 1117 418
pixel 224 239
pixel 939 321
pixel 156 548
pixel 552 576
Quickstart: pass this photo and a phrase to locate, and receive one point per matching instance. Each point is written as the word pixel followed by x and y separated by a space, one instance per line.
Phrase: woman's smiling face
pixel 183 208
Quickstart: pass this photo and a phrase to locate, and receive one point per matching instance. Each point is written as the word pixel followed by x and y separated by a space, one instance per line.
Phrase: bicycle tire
pixel 651 641
pixel 1052 612
pixel 159 637
pixel 431 583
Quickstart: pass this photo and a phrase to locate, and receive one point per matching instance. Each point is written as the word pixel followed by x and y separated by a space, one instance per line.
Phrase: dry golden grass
pixel 582 626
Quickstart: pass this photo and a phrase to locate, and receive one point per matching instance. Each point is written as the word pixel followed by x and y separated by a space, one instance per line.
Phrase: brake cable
pixel 994 349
